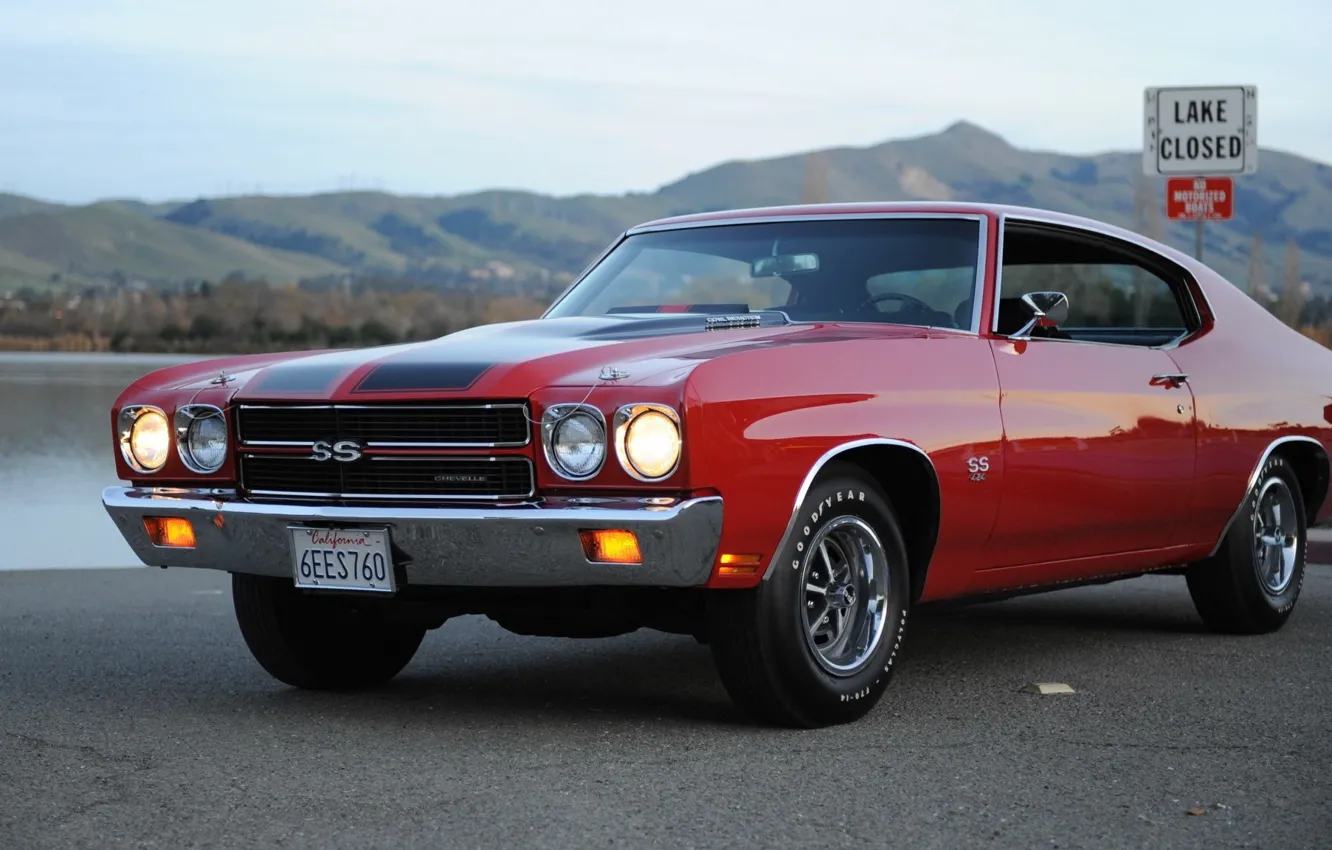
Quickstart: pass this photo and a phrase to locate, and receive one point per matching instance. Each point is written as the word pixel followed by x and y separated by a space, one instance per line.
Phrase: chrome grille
pixel 389 477
pixel 415 452
pixel 494 425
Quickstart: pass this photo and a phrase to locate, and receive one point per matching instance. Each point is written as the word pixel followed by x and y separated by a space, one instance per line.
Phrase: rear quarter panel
pixel 1254 381
pixel 756 423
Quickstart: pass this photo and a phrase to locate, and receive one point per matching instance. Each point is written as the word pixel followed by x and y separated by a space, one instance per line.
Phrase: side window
pixel 1114 295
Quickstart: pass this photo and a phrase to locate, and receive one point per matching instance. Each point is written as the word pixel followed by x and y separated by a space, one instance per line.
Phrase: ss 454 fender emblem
pixel 978 466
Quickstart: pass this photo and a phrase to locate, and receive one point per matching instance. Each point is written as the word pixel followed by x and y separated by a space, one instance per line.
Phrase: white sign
pixel 1200 130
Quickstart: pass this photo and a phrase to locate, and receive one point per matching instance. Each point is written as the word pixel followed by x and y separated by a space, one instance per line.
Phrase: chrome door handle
pixel 1174 379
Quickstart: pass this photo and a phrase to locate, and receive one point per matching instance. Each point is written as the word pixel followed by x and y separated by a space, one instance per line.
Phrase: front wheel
pixel 1251 584
pixel 814 644
pixel 320 643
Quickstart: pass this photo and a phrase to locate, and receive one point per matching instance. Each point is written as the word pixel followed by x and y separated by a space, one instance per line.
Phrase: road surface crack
pixel 139 762
pixel 1182 748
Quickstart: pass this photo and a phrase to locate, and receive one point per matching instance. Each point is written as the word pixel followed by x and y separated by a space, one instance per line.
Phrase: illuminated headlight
pixel 574 440
pixel 145 437
pixel 647 440
pixel 201 434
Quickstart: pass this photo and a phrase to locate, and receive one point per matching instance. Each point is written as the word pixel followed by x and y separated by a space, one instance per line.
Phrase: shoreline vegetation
pixel 242 316
pixel 239 316
pixel 245 314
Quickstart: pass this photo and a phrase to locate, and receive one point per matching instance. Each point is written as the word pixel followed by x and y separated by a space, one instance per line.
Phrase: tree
pixel 1291 301
pixel 815 187
pixel 205 327
pixel 1257 278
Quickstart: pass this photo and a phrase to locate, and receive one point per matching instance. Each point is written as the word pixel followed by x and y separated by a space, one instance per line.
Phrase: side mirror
pixel 1048 310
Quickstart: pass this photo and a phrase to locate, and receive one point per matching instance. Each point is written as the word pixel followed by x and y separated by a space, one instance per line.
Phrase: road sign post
pixel 1207 132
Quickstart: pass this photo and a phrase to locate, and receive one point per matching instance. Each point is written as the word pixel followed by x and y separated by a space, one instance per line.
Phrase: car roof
pixel 867 208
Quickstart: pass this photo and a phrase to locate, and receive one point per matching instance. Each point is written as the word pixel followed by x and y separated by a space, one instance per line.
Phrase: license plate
pixel 342 559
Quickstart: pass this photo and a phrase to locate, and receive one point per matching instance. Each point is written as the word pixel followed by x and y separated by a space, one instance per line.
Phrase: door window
pixel 1114 293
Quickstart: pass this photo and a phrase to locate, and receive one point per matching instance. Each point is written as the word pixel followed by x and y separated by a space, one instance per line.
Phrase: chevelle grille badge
pixel 717 323
pixel 459 478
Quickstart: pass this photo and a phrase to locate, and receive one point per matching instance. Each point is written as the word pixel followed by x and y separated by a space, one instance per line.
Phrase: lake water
pixel 56 456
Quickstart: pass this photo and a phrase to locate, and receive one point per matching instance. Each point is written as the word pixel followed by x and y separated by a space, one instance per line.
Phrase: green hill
pixel 20 205
pixel 440 238
pixel 1289 198
pixel 102 241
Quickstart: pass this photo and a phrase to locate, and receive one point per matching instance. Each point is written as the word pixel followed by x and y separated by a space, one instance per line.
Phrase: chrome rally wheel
pixel 1275 544
pixel 846 587
pixel 816 642
pixel 1252 582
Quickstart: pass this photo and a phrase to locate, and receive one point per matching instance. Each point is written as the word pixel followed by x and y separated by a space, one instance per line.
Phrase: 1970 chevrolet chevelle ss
pixel 775 430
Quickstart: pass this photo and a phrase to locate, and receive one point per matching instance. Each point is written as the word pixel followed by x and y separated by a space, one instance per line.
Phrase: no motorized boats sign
pixel 1200 198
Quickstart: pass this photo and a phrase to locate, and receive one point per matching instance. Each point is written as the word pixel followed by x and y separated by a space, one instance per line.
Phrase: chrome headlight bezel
pixel 558 416
pixel 126 421
pixel 624 421
pixel 189 417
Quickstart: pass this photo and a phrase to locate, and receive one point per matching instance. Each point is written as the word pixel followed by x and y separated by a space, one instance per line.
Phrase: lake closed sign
pixel 1198 131
pixel 1200 198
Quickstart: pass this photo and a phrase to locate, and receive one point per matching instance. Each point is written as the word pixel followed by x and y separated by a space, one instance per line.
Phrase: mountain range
pixel 1286 205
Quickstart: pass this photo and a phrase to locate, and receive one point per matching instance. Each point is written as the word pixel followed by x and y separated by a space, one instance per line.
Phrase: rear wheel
pixel 319 642
pixel 814 644
pixel 1251 584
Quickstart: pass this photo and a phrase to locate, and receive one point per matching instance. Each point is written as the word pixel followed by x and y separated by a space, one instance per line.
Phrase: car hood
pixel 512 359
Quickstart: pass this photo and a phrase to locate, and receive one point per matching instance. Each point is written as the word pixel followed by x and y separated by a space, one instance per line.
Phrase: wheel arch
pixel 903 471
pixel 1308 458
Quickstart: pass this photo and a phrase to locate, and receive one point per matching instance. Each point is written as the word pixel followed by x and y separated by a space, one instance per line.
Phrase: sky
pixel 176 100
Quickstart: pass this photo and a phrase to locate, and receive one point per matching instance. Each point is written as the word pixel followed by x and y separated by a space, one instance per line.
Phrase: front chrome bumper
pixel 500 546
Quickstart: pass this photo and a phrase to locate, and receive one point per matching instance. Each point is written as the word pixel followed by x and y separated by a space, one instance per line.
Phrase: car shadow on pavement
pixel 640 676
pixel 648 675
pixel 1148 606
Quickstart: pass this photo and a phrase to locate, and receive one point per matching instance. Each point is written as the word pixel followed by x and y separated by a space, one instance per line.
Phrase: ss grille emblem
pixel 345 451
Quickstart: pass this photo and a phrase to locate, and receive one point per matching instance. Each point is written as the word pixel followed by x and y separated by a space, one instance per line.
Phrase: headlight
pixel 201 434
pixel 145 438
pixel 574 440
pixel 647 440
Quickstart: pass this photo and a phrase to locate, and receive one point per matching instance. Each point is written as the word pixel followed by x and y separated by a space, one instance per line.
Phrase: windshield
pixel 916 271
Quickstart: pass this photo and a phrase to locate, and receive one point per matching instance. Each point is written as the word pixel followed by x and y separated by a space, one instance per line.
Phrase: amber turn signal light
pixel 739 565
pixel 169 531
pixel 610 546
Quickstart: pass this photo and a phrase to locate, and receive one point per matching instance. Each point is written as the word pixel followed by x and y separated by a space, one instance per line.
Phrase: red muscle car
pixel 776 430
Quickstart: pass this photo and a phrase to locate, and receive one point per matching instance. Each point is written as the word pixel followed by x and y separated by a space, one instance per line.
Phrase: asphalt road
pixel 131 715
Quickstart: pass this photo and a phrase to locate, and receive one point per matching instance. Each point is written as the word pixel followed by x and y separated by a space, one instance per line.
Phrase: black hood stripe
pixel 458 361
pixel 300 378
pixel 318 373
pixel 413 376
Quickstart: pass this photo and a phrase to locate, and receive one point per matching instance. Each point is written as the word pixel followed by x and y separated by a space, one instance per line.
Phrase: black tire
pixel 1234 591
pixel 318 643
pixel 760 639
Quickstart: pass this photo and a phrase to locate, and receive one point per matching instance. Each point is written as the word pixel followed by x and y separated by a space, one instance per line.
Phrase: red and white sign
pixel 1200 198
